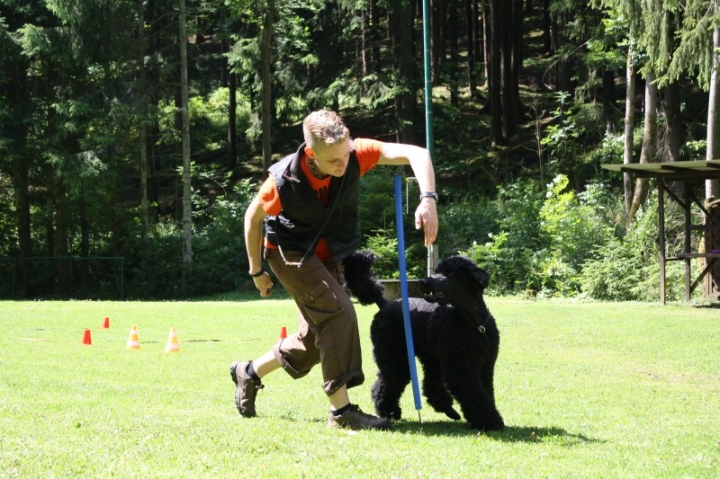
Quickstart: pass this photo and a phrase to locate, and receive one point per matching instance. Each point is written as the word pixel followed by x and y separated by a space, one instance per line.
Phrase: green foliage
pixel 574 127
pixel 574 230
pixel 540 244
pixel 517 235
pixel 79 84
pixel 627 269
pixel 209 119
pixel 219 257
pixel 8 240
pixel 384 244
pixel 508 267
pixel 465 222
pixel 376 210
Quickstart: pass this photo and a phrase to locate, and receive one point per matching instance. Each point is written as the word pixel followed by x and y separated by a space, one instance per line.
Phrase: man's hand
pixel 427 218
pixel 264 284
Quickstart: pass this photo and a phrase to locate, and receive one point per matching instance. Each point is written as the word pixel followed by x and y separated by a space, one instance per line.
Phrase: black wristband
pixel 429 194
pixel 258 274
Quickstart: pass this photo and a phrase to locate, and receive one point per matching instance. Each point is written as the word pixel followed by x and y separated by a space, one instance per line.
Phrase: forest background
pixel 134 133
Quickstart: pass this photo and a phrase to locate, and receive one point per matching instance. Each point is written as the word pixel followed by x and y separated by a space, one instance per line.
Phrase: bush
pixel 573 230
pixel 219 258
pixel 627 269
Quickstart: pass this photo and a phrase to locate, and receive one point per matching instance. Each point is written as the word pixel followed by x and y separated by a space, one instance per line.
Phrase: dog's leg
pixel 476 402
pixel 386 392
pixel 393 375
pixel 487 375
pixel 434 388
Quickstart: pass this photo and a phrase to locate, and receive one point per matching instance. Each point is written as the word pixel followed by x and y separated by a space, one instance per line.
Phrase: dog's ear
pixel 482 277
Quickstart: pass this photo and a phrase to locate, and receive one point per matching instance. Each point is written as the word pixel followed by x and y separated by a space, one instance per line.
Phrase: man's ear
pixel 309 152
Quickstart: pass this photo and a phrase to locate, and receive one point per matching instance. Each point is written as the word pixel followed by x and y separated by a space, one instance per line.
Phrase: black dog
pixel 455 339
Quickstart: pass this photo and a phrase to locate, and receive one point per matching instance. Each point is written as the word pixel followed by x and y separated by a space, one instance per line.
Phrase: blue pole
pixel 404 292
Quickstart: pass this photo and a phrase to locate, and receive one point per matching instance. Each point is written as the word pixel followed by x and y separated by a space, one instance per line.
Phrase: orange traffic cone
pixel 86 337
pixel 283 332
pixel 106 323
pixel 133 341
pixel 172 342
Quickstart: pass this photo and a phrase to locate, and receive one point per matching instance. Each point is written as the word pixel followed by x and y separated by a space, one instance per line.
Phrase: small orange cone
pixel 172 342
pixel 106 323
pixel 133 341
pixel 87 339
pixel 283 332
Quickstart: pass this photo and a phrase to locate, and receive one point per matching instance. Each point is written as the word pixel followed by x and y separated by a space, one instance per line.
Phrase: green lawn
pixel 586 390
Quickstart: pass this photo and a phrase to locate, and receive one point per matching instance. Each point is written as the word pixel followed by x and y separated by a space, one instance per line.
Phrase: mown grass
pixel 586 390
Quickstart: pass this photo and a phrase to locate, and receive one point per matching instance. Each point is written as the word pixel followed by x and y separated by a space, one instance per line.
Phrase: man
pixel 309 206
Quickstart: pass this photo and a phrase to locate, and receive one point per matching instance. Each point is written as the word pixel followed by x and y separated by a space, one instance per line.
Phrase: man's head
pixel 324 127
pixel 327 141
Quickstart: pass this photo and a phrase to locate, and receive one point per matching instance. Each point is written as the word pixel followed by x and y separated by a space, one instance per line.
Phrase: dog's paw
pixel 393 414
pixel 452 414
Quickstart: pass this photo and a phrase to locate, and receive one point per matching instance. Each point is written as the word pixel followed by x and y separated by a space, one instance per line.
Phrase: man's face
pixel 331 159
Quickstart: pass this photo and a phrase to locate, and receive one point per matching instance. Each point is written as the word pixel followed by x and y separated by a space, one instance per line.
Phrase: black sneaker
pixel 246 388
pixel 355 419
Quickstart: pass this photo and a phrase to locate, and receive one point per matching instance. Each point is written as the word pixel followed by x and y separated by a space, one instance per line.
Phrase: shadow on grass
pixel 527 434
pixel 708 306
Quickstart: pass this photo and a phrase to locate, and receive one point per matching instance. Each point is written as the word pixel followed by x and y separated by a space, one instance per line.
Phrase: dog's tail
pixel 360 281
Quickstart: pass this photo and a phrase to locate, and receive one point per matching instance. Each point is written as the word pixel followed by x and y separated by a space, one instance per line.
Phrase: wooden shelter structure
pixel 687 173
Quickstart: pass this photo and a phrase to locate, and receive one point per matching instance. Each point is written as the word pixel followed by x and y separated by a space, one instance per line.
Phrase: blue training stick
pixel 404 292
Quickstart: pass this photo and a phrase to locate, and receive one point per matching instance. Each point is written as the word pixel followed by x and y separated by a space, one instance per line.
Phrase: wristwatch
pixel 429 194
pixel 256 275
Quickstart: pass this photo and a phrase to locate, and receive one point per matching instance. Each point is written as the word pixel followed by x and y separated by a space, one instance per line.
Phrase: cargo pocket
pixel 321 304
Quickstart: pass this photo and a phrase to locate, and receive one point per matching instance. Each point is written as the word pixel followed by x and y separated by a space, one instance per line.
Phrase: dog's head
pixel 456 279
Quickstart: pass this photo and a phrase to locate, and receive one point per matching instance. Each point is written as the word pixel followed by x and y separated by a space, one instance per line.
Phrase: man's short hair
pixel 324 126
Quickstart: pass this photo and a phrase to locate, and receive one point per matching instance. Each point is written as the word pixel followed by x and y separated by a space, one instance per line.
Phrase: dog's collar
pixel 480 327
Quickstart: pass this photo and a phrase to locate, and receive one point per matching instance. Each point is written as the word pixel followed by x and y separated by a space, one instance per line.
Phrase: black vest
pixel 303 214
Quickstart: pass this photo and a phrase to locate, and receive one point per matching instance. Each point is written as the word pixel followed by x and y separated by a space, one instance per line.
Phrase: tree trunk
pixel 405 101
pixel 454 54
pixel 517 62
pixel 265 58
pixel 364 52
pixel 21 185
pixel 49 218
pixel 629 127
pixel 84 238
pixel 376 38
pixel 505 10
pixel 482 38
pixel 494 86
pixel 547 23
pixel 649 145
pixel 563 65
pixel 186 174
pixel 437 40
pixel 608 96
pixel 142 141
pixel 675 129
pixel 232 120
pixel 712 187
pixel 470 23
pixel 62 247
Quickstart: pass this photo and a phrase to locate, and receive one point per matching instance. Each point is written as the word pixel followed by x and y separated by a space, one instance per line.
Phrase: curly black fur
pixel 359 278
pixel 455 337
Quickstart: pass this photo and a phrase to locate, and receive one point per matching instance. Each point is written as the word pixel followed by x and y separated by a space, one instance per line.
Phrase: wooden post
pixel 687 207
pixel 661 242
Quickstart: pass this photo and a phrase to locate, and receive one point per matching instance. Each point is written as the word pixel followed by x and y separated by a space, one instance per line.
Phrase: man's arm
pixel 254 217
pixel 419 160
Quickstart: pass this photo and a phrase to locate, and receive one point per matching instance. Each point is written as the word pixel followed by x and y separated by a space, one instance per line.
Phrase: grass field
pixel 586 390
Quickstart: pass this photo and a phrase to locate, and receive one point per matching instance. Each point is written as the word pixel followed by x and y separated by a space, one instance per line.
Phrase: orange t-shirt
pixel 367 153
